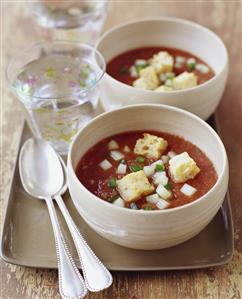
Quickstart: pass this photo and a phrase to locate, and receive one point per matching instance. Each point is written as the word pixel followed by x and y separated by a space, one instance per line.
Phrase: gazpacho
pixel 159 69
pixel 146 170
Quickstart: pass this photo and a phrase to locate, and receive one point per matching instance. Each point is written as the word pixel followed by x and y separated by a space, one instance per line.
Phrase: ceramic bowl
pixel 170 32
pixel 148 229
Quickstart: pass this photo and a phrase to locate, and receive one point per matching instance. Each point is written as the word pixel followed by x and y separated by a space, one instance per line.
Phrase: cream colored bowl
pixel 170 32
pixel 148 229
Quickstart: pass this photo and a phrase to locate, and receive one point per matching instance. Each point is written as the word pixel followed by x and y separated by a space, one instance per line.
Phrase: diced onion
pixel 140 62
pixel 163 192
pixel 165 159
pixel 191 60
pixel 116 155
pixel 162 204
pixel 149 170
pixel 160 178
pixel 202 68
pixel 180 59
pixel 170 75
pixel 127 149
pixel 169 83
pixel 178 65
pixel 188 190
pixel 112 145
pixel 163 77
pixel 122 168
pixel 171 154
pixel 133 206
pixel 133 72
pixel 119 202
pixel 105 164
pixel 154 198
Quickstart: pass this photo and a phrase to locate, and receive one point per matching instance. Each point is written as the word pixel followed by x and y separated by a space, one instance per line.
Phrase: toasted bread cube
pixel 162 62
pixel 182 168
pixel 148 79
pixel 133 186
pixel 185 80
pixel 164 88
pixel 150 146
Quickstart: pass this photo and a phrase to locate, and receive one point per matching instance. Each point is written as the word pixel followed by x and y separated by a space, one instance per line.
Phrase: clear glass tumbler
pixel 57 84
pixel 72 20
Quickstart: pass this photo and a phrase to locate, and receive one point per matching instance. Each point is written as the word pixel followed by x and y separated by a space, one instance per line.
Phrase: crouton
pixel 182 168
pixel 150 146
pixel 133 186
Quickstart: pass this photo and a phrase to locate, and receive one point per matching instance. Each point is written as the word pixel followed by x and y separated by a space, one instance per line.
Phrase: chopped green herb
pixel 113 198
pixel 140 67
pixel 140 159
pixel 112 183
pixel 147 208
pixel 136 168
pixel 191 65
pixel 169 82
pixel 124 70
pixel 122 161
pixel 168 186
pixel 170 75
pixel 159 167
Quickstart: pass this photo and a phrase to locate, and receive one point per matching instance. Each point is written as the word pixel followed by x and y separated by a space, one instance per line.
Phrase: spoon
pixel 97 276
pixel 42 177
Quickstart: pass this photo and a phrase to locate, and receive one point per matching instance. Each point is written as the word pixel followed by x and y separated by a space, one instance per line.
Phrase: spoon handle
pixel 96 275
pixel 71 283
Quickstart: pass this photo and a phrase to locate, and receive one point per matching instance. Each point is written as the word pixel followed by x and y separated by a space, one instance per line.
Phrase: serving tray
pixel 27 237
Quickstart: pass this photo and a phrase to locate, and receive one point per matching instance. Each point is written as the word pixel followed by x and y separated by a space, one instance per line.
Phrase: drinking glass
pixel 80 20
pixel 57 84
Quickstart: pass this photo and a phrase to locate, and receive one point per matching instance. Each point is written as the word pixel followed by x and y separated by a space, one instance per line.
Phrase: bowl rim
pixel 174 20
pixel 157 106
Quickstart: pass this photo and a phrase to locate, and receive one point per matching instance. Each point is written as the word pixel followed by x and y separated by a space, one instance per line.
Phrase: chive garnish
pixel 112 183
pixel 122 161
pixel 147 208
pixel 159 167
pixel 191 65
pixel 140 159
pixel 124 70
pixel 136 168
pixel 168 186
pixel 140 67
pixel 113 198
pixel 170 75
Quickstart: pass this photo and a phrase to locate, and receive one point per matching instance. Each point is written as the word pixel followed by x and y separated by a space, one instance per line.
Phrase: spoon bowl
pixel 40 170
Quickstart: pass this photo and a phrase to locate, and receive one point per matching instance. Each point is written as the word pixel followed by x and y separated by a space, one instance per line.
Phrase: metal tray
pixel 27 237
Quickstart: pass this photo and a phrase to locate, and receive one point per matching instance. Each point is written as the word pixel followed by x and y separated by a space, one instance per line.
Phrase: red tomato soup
pixel 146 170
pixel 165 66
